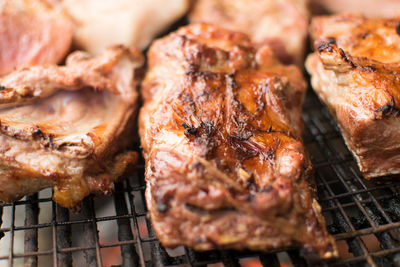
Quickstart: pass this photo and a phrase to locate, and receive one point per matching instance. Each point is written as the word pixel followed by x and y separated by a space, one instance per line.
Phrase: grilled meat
pixel 369 8
pixel 32 32
pixel 280 24
pixel 355 72
pixel 67 127
pixel 221 135
pixel 133 23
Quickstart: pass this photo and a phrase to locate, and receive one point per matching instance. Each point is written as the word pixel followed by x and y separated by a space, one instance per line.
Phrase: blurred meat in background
pixel 134 23
pixel 32 32
pixel 369 8
pixel 282 24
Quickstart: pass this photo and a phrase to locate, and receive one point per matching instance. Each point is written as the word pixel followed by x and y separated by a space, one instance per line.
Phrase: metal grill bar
pixel 63 235
pixel 135 223
pixel 269 260
pixel 91 235
pixel 24 202
pixel 367 190
pixel 297 260
pixel 128 252
pixel 54 233
pixel 158 254
pixel 367 231
pixel 31 235
pixel 228 260
pixel 11 253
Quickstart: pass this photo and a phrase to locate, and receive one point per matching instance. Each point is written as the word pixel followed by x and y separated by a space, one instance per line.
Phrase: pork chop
pixel 68 127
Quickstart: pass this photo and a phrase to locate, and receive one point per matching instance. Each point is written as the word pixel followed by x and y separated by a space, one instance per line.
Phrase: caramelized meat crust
pixel 67 127
pixel 221 135
pixel 355 71
pixel 280 24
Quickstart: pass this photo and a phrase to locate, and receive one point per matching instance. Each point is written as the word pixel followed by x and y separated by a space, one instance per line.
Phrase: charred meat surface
pixel 280 24
pixel 32 32
pixel 67 127
pixel 221 135
pixel 355 72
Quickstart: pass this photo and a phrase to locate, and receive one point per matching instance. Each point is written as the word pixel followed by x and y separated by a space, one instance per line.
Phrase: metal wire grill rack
pixel 363 216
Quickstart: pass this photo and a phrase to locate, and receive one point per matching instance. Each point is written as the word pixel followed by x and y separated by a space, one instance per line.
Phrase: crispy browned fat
pixel 355 72
pixel 67 127
pixel 281 24
pixel 221 135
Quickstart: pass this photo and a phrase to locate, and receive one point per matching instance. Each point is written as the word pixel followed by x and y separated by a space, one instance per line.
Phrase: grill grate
pixel 363 216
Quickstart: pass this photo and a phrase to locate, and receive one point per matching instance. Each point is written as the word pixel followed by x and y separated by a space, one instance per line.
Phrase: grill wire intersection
pixel 363 216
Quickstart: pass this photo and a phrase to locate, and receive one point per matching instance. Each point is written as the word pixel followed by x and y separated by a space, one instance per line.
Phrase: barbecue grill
pixel 363 216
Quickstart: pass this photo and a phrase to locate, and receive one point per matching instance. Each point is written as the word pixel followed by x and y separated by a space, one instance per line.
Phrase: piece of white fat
pixel 134 23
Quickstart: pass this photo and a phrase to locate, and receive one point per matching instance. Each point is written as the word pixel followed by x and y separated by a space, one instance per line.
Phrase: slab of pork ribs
pixel 355 72
pixel 221 135
pixel 67 127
